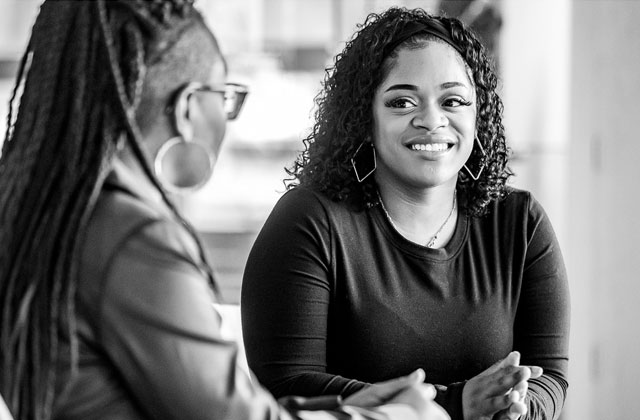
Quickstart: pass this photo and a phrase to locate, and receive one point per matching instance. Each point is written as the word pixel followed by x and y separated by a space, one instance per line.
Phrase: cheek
pixel 380 124
pixel 214 123
pixel 218 127
pixel 466 126
pixel 387 131
pixel 382 137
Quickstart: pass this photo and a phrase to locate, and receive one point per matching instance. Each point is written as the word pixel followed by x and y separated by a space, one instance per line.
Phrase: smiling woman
pixel 398 244
pixel 424 132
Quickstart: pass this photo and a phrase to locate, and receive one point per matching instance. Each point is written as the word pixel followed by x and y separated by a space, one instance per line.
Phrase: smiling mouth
pixel 430 147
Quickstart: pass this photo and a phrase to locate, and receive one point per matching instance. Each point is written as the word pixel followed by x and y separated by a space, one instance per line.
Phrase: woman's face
pixel 424 118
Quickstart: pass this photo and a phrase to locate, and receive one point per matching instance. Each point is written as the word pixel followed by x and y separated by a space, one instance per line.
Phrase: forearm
pixel 545 397
pixel 308 383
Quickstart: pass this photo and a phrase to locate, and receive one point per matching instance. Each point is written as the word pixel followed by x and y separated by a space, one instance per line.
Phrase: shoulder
pixel 521 212
pixel 515 199
pixel 303 215
pixel 305 203
pixel 518 202
pixel 306 198
pixel 123 225
pixel 115 218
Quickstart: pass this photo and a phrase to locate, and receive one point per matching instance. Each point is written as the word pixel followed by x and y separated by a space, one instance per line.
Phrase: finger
pixel 421 392
pixel 420 397
pixel 494 404
pixel 513 374
pixel 522 388
pixel 512 359
pixel 429 391
pixel 389 388
pixel 381 392
pixel 501 402
pixel 512 413
pixel 513 396
pixel 536 371
pixel 516 410
pixel 500 382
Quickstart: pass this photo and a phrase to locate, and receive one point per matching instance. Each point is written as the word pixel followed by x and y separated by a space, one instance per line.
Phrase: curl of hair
pixel 58 150
pixel 344 115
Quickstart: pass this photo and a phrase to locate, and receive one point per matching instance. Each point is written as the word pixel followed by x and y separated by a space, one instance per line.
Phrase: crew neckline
pixel 449 251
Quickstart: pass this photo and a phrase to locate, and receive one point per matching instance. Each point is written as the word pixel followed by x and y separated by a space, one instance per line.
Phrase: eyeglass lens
pixel 234 96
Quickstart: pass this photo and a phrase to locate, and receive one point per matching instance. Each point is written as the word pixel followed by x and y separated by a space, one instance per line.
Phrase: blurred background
pixel 569 72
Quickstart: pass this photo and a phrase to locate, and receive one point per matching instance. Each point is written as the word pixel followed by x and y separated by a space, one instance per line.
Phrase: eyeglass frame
pixel 239 90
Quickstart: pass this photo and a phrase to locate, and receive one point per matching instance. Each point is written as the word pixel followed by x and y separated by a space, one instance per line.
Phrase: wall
pixel 604 227
pixel 534 70
pixel 571 88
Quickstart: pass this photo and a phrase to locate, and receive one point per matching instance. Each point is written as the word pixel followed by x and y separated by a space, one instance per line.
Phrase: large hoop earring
pixel 471 174
pixel 365 164
pixel 183 164
pixel 177 155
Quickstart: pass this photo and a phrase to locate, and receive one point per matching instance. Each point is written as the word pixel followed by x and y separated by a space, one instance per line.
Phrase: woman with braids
pixel 398 245
pixel 106 299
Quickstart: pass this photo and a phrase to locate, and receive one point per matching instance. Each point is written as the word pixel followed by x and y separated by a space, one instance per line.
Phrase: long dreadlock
pixel 58 150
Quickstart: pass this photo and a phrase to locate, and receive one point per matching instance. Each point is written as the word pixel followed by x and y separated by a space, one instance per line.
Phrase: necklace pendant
pixel 434 238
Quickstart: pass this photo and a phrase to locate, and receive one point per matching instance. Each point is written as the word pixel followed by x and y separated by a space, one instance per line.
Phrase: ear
pixel 182 111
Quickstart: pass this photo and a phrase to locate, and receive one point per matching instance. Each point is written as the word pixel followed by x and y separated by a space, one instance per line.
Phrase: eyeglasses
pixel 234 95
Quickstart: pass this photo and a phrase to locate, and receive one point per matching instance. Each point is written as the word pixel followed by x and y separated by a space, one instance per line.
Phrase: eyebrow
pixel 401 87
pixel 445 85
pixel 448 85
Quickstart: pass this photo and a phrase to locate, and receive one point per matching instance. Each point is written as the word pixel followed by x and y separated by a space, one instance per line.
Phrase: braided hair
pixel 66 117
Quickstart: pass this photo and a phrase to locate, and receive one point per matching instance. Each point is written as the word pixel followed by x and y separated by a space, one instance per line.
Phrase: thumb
pixel 396 385
pixel 415 377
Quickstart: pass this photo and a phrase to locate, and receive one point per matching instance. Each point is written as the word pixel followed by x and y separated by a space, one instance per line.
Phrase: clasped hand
pixel 409 390
pixel 499 392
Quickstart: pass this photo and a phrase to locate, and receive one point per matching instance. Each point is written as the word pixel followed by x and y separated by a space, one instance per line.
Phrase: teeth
pixel 431 147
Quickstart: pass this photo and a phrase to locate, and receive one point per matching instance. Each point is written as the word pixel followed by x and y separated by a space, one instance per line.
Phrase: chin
pixel 432 180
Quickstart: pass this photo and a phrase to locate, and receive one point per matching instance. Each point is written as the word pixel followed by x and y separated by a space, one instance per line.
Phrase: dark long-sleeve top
pixel 149 338
pixel 333 299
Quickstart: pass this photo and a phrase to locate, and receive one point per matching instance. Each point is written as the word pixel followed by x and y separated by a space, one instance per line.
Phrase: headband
pixel 433 27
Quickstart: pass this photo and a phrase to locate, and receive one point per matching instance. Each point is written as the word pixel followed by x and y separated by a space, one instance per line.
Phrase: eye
pixel 455 101
pixel 400 103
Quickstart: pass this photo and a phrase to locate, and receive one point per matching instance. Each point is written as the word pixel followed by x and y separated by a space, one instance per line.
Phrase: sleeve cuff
pixel 450 398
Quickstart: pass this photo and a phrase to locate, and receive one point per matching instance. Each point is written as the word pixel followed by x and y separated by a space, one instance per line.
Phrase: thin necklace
pixel 434 238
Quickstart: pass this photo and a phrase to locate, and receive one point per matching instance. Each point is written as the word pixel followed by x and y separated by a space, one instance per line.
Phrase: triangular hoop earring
pixel 366 163
pixel 471 174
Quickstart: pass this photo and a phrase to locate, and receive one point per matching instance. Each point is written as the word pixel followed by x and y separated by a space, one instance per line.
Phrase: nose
pixel 430 118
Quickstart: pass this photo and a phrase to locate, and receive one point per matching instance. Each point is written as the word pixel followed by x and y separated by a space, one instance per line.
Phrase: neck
pixel 153 138
pixel 419 214
pixel 128 157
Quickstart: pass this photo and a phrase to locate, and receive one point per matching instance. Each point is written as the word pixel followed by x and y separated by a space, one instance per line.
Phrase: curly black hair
pixel 344 115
